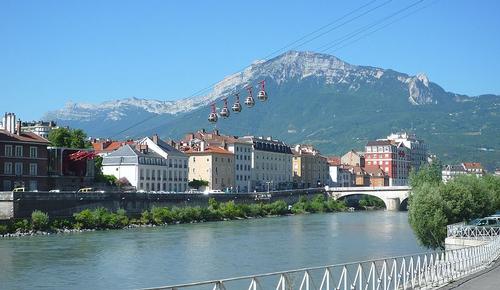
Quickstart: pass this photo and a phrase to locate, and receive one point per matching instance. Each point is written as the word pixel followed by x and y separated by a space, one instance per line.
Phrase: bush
pixel 39 220
pixel 85 219
pixel 229 210
pixel 22 225
pixel 146 217
pixel 4 229
pixel 276 208
pixel 161 215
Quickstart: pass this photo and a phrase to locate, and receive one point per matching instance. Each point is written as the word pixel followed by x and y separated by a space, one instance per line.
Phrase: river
pixel 148 257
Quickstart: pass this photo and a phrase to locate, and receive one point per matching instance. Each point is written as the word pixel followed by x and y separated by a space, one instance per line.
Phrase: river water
pixel 148 257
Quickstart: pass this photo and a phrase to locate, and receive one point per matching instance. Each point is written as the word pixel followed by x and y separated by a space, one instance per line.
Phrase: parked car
pixel 55 190
pixel 19 189
pixel 487 222
pixel 89 189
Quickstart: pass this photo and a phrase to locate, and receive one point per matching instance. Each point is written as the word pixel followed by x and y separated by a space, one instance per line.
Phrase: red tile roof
pixel 208 150
pixel 334 160
pixel 23 137
pixel 472 165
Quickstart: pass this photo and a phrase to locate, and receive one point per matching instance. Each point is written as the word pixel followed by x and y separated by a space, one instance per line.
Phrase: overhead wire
pixel 360 8
pixel 329 45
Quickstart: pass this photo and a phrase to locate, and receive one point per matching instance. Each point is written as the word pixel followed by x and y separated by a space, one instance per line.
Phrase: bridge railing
pixel 403 272
pixel 461 230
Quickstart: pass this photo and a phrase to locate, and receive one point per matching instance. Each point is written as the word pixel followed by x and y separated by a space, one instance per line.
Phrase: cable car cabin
pixel 224 112
pixel 212 118
pixel 236 107
pixel 262 96
pixel 249 101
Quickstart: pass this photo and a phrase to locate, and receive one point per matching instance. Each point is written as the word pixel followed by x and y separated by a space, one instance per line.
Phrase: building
pixel 40 128
pixel 418 150
pixel 70 169
pixel 353 158
pixel 212 164
pixel 23 157
pixel 393 158
pixel 150 164
pixel 310 169
pixel 376 176
pixel 451 171
pixel 242 151
pixel 271 164
pixel 339 174
pixel 104 147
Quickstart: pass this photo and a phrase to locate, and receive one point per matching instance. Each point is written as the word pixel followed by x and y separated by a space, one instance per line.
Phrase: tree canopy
pixel 195 183
pixel 69 138
pixel 433 204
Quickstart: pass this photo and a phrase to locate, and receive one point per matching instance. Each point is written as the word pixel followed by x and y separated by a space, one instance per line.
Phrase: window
pixel 7 168
pixel 147 175
pixel 19 151
pixel 8 151
pixel 7 185
pixel 33 152
pixel 141 175
pixel 19 168
pixel 33 169
pixel 33 185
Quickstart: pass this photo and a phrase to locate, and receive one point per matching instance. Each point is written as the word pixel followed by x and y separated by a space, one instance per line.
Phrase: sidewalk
pixel 486 279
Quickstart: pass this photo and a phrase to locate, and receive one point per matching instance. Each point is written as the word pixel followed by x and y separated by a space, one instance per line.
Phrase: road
pixel 484 280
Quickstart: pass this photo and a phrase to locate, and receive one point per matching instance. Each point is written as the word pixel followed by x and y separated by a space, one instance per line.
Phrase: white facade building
pixel 243 164
pixel 339 176
pixel 271 164
pixel 418 149
pixel 150 165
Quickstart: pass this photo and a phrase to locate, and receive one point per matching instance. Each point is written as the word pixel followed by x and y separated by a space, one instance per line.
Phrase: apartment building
pixel 150 164
pixel 212 164
pixel 310 168
pixel 23 157
pixel 271 164
pixel 393 158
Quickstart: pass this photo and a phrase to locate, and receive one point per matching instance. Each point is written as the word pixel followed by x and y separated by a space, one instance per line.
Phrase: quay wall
pixel 15 205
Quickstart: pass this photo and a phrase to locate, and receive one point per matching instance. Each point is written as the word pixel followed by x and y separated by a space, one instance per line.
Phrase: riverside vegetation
pixel 101 218
pixel 433 204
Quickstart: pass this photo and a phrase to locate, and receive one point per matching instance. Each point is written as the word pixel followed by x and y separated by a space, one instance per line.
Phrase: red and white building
pixel 392 157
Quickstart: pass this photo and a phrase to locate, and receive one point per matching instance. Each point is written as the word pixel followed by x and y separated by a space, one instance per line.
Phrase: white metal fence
pixel 461 230
pixel 405 272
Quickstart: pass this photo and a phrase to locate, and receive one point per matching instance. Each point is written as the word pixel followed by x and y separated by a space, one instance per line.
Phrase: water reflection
pixel 150 257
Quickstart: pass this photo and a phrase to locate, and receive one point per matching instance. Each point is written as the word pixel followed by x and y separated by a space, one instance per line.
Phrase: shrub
pixel 39 220
pixel 317 204
pixel 22 225
pixel 161 215
pixel 256 210
pixel 4 229
pixel 229 210
pixel 85 219
pixel 146 217
pixel 276 208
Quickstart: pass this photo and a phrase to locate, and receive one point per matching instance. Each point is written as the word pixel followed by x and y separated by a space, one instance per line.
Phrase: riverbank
pixel 103 219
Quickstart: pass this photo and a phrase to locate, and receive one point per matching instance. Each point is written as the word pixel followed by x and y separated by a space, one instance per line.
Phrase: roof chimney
pixel 155 139
pixel 18 127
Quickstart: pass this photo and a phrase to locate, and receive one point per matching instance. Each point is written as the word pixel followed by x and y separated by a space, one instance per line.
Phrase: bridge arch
pixel 392 196
pixel 346 196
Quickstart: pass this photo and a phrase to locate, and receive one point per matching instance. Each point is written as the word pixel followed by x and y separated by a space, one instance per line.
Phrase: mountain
pixel 319 99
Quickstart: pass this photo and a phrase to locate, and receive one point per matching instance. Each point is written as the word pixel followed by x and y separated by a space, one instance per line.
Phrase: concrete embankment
pixel 64 204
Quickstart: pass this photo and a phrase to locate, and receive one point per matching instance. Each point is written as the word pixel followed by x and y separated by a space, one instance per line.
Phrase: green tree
pixel 70 138
pixel 427 215
pixel 39 220
pixel 429 173
pixel 196 184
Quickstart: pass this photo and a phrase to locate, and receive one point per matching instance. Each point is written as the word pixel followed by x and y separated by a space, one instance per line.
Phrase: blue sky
pixel 53 52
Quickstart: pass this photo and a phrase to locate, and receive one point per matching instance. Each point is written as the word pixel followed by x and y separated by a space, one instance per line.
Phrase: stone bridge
pixel 392 196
